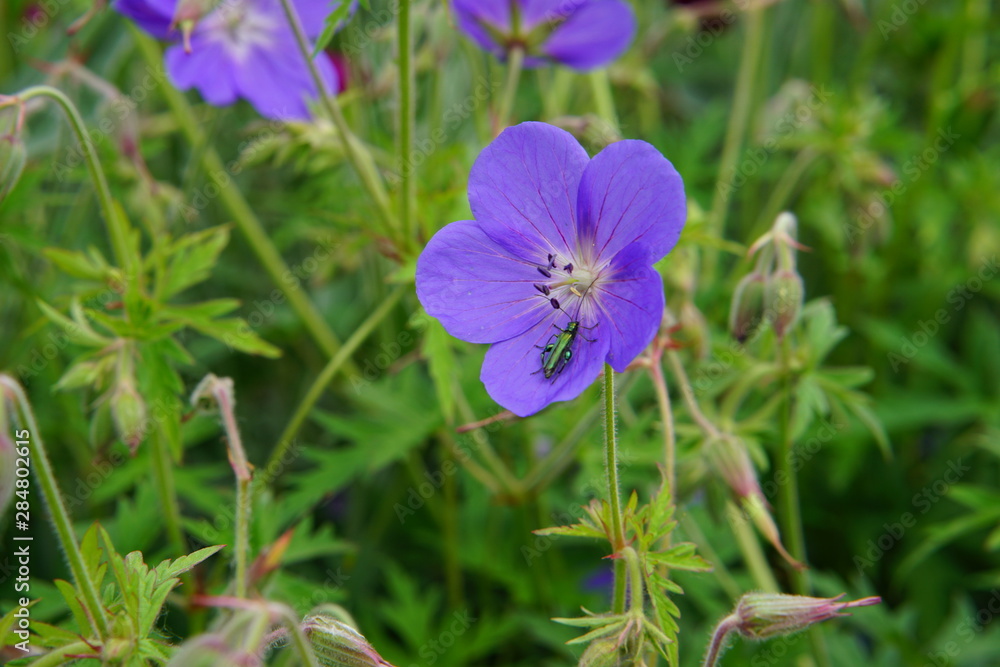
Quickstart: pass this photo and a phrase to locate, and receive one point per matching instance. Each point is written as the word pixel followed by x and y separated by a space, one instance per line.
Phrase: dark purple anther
pixel 555 303
pixel 544 272
pixel 544 289
pixel 568 268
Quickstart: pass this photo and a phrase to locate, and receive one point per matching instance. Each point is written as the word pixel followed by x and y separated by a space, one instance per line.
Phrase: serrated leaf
pixel 680 557
pixel 235 333
pixel 168 569
pixel 192 258
pixel 81 374
pixel 74 604
pixel 76 333
pixel 331 26
pixel 75 263
pixel 576 530
pixel 873 424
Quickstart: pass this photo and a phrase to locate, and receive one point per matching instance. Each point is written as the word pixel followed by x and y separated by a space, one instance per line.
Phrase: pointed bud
pixel 337 644
pixel 747 311
pixel 13 157
pixel 783 300
pixel 129 413
pixel 755 507
pixel 764 615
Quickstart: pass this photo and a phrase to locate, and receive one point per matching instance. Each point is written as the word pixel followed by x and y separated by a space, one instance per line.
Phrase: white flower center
pixel 568 286
pixel 240 26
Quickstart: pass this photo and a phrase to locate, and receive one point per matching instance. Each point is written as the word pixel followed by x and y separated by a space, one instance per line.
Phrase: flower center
pixel 240 26
pixel 567 286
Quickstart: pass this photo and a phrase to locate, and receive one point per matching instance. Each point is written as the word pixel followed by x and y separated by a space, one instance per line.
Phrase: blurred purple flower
pixel 582 34
pixel 241 49
pixel 555 228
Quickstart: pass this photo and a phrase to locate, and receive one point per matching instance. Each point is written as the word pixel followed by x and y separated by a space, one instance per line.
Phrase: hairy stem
pixel 117 228
pixel 407 111
pixel 614 494
pixel 359 157
pixel 260 244
pixel 11 391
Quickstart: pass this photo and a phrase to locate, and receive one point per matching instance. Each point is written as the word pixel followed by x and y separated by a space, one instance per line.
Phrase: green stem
pixel 117 229
pixel 407 111
pixel 604 102
pixel 242 534
pixel 689 398
pixel 669 437
pixel 790 514
pixel 614 494
pixel 515 64
pixel 753 556
pixel 326 375
pixel 359 157
pixel 241 212
pixel 738 121
pixel 11 390
pixel 163 477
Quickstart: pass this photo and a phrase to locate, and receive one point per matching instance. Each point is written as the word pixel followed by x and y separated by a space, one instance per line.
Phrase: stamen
pixel 544 272
pixel 555 303
pixel 544 289
pixel 568 268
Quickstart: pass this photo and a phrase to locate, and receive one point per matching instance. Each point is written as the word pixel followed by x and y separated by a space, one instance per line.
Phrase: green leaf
pixel 235 333
pixel 192 258
pixel 168 569
pixel 680 557
pixel 81 335
pixel 77 264
pixel 332 25
pixel 75 606
pixel 576 530
pixel 865 415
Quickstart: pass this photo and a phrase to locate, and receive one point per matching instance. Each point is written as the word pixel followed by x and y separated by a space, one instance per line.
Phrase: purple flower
pixel 241 49
pixel 557 238
pixel 582 34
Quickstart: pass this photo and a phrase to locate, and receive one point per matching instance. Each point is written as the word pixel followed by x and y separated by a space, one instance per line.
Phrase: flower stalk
pixel 359 157
pixel 614 493
pixel 12 398
pixel 117 228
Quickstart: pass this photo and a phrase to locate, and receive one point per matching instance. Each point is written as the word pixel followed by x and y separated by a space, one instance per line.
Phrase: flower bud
pixel 13 157
pixel 783 300
pixel 747 311
pixel 602 653
pixel 337 644
pixel 129 413
pixel 764 615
